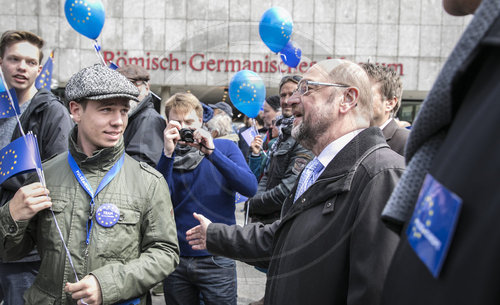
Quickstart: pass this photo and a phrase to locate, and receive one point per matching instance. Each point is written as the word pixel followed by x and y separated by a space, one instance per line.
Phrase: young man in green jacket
pixel 114 213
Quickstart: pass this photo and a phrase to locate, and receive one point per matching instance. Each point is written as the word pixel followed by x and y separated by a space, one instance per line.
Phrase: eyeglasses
pixel 303 86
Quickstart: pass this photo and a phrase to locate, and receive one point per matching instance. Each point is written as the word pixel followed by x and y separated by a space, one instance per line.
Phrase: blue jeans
pixel 212 278
pixel 15 279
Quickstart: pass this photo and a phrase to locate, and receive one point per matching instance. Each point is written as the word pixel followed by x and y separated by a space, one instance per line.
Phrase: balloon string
pixel 281 64
pixel 97 48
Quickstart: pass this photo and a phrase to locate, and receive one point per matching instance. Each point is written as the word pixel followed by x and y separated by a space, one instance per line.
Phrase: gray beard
pixel 307 134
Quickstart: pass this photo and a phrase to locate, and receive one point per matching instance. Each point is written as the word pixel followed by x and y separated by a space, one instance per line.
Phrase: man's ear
pixel 390 104
pixel 350 99
pixel 76 111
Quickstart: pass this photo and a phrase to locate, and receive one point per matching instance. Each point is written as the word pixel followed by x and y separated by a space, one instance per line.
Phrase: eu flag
pixel 238 198
pixel 19 156
pixel 45 78
pixel 6 110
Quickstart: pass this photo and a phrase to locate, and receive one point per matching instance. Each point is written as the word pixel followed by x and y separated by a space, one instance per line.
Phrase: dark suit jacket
pixel 396 136
pixel 468 165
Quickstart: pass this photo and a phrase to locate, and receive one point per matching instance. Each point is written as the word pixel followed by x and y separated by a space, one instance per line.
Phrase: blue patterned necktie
pixel 310 174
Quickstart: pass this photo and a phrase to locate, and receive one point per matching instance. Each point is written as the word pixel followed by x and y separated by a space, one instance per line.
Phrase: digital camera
pixel 186 135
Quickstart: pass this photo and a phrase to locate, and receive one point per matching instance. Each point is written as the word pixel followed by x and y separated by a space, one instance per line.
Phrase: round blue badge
pixel 107 215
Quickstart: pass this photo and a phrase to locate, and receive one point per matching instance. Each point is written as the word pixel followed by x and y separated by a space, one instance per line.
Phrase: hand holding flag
pixel 28 201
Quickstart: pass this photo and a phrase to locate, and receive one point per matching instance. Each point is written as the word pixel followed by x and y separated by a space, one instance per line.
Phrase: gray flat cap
pixel 99 82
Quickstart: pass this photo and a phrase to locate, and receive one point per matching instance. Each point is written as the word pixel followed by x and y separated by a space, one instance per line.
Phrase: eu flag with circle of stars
pixel 6 110
pixel 238 198
pixel 20 156
pixel 433 223
pixel 45 78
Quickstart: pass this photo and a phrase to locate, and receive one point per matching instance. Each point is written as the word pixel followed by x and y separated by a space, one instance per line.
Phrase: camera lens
pixel 186 135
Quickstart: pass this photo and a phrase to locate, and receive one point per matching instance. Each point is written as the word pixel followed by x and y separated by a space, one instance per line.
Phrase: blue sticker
pixel 433 223
pixel 107 215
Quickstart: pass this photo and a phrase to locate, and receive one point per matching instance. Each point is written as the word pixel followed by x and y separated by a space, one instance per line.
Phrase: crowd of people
pixel 131 199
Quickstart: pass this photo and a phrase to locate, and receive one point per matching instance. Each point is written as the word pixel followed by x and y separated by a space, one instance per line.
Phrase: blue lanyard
pixel 86 185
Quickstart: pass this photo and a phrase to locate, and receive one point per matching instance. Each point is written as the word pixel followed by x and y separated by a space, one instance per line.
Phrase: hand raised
pixel 170 137
pixel 203 141
pixel 256 145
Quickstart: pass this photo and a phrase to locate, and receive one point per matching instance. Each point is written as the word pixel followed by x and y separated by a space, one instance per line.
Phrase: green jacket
pixel 127 259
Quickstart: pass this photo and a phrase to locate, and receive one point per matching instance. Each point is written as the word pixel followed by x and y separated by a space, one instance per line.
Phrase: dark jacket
pixel 127 259
pixel 396 136
pixel 144 134
pixel 330 246
pixel 467 164
pixel 50 121
pixel 285 165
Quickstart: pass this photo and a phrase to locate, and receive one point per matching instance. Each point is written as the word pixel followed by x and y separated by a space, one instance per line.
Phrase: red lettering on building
pixel 164 60
pixel 191 60
pixel 198 62
pixel 232 63
pixel 210 65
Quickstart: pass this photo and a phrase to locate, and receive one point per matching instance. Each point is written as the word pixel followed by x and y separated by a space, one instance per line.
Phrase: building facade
pixel 198 45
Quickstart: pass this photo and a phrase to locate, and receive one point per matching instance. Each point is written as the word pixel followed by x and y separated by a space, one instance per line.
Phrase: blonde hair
pixel 183 103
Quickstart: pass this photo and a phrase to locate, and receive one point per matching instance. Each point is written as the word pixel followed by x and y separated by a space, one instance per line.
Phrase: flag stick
pixel 97 48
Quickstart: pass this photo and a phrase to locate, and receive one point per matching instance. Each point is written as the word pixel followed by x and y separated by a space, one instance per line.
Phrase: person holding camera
pixel 203 175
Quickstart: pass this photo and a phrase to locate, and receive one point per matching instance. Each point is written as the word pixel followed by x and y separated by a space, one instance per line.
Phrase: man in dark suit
pixel 330 245
pixel 387 90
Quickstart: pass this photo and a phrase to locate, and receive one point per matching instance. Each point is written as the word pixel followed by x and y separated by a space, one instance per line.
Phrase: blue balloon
pixel 247 92
pixel 291 54
pixel 275 28
pixel 85 16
